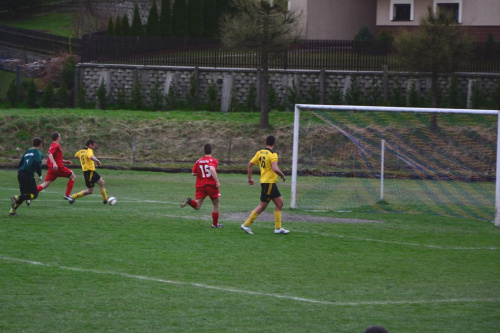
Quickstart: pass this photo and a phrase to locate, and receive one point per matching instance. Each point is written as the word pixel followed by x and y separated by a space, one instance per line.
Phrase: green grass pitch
pixel 146 265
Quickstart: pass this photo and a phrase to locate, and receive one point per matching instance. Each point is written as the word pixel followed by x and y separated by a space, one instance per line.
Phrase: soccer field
pixel 146 265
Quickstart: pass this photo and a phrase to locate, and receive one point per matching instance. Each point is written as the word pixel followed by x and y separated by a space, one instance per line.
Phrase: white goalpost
pixel 322 116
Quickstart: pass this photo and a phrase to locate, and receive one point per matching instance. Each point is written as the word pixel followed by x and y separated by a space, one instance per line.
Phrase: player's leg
pixel 277 216
pixel 69 186
pixel 215 197
pixel 102 189
pixel 265 192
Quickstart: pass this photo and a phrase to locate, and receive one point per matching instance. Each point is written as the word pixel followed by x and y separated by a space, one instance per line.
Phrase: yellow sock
pixel 104 195
pixel 251 218
pixel 277 219
pixel 77 195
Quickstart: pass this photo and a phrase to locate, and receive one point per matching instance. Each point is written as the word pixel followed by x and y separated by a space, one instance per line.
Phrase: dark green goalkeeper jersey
pixel 31 162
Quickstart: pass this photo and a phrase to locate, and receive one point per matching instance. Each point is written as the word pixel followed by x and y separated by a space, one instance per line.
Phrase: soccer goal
pixel 396 159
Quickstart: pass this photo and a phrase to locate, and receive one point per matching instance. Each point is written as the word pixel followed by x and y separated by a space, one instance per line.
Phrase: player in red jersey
pixel 56 168
pixel 207 184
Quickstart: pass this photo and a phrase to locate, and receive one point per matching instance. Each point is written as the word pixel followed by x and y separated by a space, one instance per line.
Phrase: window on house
pixel 449 9
pixel 402 12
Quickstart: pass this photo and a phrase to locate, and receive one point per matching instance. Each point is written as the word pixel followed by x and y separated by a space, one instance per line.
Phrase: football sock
pixel 39 188
pixel 277 219
pixel 215 219
pixel 251 218
pixel 193 203
pixel 104 195
pixel 77 195
pixel 69 187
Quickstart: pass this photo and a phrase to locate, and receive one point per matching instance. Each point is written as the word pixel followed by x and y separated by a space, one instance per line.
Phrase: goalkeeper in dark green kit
pixel 30 163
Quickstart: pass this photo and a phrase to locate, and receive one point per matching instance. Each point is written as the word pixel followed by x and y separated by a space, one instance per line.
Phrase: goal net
pixel 395 159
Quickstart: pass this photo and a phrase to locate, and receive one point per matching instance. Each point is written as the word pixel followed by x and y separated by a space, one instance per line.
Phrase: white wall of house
pixel 335 19
pixel 481 12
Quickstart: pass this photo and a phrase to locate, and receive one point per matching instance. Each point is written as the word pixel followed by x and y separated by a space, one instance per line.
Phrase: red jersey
pixel 202 170
pixel 56 152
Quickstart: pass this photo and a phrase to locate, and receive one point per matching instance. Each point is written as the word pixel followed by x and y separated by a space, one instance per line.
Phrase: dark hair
pixel 375 329
pixel 37 142
pixel 270 140
pixel 90 142
pixel 55 135
pixel 208 148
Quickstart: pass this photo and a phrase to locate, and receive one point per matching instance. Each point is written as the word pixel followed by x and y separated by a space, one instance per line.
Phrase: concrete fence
pixel 237 82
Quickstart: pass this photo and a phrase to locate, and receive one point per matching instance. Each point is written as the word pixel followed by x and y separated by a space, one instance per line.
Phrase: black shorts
pixel 27 183
pixel 91 177
pixel 269 191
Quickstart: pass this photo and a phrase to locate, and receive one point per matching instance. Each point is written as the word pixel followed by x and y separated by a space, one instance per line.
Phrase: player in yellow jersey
pixel 267 160
pixel 87 160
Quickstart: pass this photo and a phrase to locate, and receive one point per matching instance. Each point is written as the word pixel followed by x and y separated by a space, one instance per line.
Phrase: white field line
pixel 255 293
pixel 429 246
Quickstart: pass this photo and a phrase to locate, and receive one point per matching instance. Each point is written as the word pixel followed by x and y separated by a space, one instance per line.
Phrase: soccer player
pixel 30 163
pixel 88 160
pixel 56 168
pixel 267 160
pixel 207 184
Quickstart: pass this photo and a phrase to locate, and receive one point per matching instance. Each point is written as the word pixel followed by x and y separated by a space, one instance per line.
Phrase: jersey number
pixel 205 171
pixel 262 161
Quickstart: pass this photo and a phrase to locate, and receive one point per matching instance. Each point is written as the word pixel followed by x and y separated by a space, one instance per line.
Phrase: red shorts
pixel 62 172
pixel 207 190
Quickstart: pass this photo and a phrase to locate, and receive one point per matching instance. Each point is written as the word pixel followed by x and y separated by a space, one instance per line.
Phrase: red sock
pixel 39 188
pixel 193 203
pixel 71 182
pixel 215 219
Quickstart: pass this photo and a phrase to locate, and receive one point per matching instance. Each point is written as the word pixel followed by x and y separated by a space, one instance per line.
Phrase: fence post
pixel 385 83
pixel 322 86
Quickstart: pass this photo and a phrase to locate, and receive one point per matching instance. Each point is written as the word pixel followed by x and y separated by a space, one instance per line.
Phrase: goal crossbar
pixel 299 107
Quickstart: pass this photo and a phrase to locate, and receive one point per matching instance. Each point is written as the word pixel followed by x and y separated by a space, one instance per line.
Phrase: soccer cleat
pixel 281 231
pixel 28 202
pixel 12 212
pixel 13 201
pixel 105 201
pixel 218 226
pixel 247 229
pixel 70 199
pixel 185 202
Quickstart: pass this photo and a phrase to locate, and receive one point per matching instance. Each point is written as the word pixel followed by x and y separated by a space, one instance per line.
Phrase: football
pixel 112 201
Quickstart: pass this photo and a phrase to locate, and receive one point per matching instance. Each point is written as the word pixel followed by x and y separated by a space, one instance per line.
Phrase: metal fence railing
pixel 38 42
pixel 306 54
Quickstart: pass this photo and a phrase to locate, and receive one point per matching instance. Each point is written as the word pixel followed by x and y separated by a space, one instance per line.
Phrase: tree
pixel 110 30
pixel 437 46
pixel 136 28
pixel 166 19
pixel 17 4
pixel 195 13
pixel 180 19
pixel 210 22
pixel 267 27
pixel 153 24
pixel 118 26
pixel 125 26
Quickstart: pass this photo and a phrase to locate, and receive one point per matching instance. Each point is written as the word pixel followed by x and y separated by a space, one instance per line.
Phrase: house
pixel 341 19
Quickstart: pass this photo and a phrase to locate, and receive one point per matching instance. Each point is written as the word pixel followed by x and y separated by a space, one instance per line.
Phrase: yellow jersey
pixel 264 158
pixel 84 156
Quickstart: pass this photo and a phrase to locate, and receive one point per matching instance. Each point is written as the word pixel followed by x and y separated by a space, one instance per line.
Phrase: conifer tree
pixel 195 17
pixel 125 26
pixel 153 24
pixel 166 19
pixel 180 19
pixel 110 30
pixel 118 26
pixel 136 29
pixel 210 20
